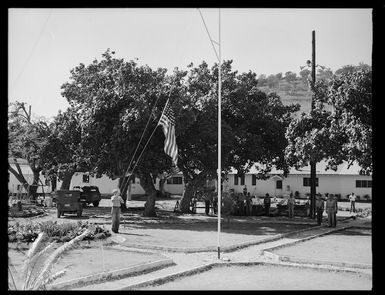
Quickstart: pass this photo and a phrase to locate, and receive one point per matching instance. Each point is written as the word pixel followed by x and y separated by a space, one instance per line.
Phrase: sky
pixel 45 44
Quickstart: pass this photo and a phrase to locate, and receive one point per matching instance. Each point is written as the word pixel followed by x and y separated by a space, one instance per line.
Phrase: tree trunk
pixel 162 182
pixel 19 175
pixel 65 185
pixel 148 186
pixel 36 176
pixel 123 193
pixel 53 183
pixel 190 188
pixel 186 198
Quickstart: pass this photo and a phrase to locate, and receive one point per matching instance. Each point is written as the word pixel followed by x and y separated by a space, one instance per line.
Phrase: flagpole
pixel 219 140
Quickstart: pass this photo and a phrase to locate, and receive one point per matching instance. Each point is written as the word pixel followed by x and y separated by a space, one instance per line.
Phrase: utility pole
pixel 312 163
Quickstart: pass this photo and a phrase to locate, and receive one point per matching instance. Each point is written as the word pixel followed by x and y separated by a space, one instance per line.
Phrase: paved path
pixel 188 261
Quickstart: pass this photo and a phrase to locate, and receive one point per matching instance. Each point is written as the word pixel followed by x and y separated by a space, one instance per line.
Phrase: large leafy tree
pixel 253 126
pixel 26 139
pixel 114 100
pixel 64 154
pixel 341 134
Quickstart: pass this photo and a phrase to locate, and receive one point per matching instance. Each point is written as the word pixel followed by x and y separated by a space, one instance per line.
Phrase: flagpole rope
pixel 208 33
pixel 125 182
pixel 140 141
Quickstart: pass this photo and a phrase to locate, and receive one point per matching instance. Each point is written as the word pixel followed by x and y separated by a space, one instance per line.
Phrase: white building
pixel 343 181
pixel 105 184
pixel 14 185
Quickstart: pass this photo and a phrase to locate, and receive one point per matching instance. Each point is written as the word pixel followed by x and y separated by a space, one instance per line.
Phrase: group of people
pixel 211 202
pixel 331 207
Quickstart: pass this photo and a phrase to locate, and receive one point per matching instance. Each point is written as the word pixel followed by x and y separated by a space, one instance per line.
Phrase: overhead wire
pixel 33 49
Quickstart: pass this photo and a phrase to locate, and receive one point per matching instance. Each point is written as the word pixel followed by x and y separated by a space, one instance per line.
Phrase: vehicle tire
pixel 58 213
pixel 96 204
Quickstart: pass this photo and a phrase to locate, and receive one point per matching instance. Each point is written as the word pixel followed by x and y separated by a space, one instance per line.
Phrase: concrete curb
pixel 229 248
pixel 284 258
pixel 114 274
pixel 323 267
pixel 308 238
pixel 164 279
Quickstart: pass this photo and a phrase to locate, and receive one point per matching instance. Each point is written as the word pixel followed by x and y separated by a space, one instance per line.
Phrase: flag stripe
pixel 168 125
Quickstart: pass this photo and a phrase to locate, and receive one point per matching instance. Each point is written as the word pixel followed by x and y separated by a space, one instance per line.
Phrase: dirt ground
pixel 172 230
pixel 261 277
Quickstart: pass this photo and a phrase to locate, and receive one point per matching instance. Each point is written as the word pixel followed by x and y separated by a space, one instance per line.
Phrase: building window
pixel 235 179
pixel 177 180
pixel 86 178
pixel 174 180
pixel 242 177
pixel 363 183
pixel 253 179
pixel 278 184
pixel 307 181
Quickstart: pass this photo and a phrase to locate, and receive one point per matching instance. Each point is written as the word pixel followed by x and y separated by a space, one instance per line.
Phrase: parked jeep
pixel 89 194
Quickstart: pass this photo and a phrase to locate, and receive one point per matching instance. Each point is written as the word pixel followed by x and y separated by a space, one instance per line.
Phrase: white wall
pixel 13 183
pixel 333 184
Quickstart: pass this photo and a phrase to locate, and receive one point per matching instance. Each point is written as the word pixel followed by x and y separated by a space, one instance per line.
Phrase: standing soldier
pixel 215 204
pixel 331 210
pixel 319 207
pixel 290 205
pixel 266 202
pixel 207 202
pixel 352 199
pixel 248 204
pixel 336 210
pixel 116 200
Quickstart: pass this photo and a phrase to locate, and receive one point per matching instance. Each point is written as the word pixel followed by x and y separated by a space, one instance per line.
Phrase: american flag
pixel 167 120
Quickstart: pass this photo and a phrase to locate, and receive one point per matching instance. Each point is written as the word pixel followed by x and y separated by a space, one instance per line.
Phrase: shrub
pixel 55 232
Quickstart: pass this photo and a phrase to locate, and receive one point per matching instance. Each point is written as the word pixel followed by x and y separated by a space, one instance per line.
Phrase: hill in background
pixel 295 89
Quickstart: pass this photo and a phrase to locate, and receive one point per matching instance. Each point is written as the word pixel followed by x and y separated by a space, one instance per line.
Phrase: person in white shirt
pixel 116 200
pixel 352 199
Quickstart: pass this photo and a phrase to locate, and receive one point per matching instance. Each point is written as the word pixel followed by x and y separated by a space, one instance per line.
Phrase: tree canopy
pixel 26 140
pixel 64 153
pixel 342 134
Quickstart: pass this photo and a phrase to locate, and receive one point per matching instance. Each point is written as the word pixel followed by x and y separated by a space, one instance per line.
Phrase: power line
pixel 33 48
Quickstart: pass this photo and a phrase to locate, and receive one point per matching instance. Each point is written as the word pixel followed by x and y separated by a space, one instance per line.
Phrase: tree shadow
pixel 244 228
pixel 132 234
pixel 354 231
